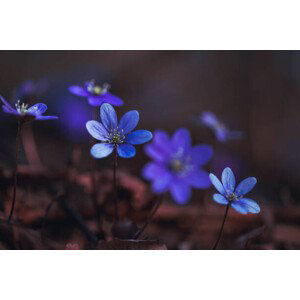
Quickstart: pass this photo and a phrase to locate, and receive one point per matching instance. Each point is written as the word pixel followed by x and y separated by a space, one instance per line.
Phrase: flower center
pixel 177 166
pixel 96 89
pixel 21 108
pixel 180 163
pixel 232 197
pixel 116 137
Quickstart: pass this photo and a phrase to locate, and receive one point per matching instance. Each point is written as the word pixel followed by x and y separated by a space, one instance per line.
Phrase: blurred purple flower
pixel 96 94
pixel 176 164
pixel 31 89
pixel 229 194
pixel 222 133
pixel 25 113
pixel 114 135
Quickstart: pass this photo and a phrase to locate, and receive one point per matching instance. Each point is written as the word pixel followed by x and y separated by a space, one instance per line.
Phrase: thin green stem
pixel 93 177
pixel 115 185
pixel 222 226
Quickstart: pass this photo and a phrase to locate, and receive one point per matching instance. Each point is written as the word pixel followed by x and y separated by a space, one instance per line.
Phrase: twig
pixel 157 205
pixel 46 216
pixel 77 219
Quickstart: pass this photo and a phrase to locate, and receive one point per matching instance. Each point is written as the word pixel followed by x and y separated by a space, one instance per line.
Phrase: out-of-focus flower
pixel 25 113
pixel 31 89
pixel 96 94
pixel 234 196
pixel 176 164
pixel 114 135
pixel 222 133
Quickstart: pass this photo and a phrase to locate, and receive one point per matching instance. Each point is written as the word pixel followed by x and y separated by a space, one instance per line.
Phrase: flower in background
pixel 114 135
pixel 96 94
pixel 234 196
pixel 222 133
pixel 176 164
pixel 29 89
pixel 25 113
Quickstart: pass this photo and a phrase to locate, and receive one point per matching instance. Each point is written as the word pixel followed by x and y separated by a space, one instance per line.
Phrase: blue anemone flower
pixel 177 165
pixel 222 133
pixel 116 136
pixel 96 94
pixel 234 196
pixel 25 113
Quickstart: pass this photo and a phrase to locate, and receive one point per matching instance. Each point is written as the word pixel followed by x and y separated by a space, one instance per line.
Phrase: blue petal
pixel 129 121
pixel 37 109
pixel 139 137
pixel 161 184
pixel 201 154
pixel 157 153
pixel 228 180
pixel 217 183
pixel 95 100
pixel 97 130
pixel 7 105
pixel 112 99
pixel 250 205
pixel 78 90
pixel 220 199
pixel 102 150
pixel 108 116
pixel 222 134
pixel 160 175
pixel 126 150
pixel 44 118
pixel 10 110
pixel 161 138
pixel 181 139
pixel 181 191
pixel 160 148
pixel 239 207
pixel 198 179
pixel 245 186
pixel 153 170
pixel 209 119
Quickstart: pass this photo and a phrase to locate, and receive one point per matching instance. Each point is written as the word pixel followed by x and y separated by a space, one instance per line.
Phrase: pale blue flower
pixel 114 135
pixel 235 196
pixel 25 113
pixel 222 132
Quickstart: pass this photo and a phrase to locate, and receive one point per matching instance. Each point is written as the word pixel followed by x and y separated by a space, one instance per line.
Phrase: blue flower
pixel 96 94
pixel 229 194
pixel 31 89
pixel 25 113
pixel 176 164
pixel 222 133
pixel 116 136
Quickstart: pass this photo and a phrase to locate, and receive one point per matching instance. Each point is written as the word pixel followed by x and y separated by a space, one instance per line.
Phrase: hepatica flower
pixel 116 136
pixel 25 113
pixel 96 94
pixel 222 133
pixel 177 165
pixel 232 195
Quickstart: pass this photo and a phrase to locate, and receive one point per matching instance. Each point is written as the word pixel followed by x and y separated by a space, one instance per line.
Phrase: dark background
pixel 256 92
